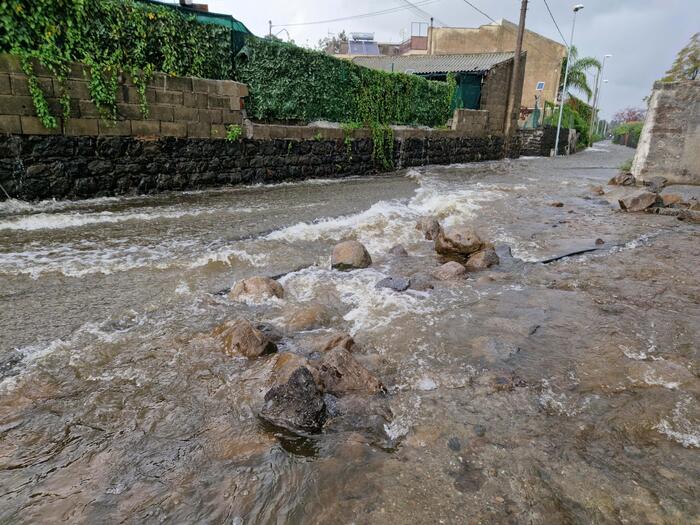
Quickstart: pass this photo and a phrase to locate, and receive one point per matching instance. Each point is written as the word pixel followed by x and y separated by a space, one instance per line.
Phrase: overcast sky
pixel 643 35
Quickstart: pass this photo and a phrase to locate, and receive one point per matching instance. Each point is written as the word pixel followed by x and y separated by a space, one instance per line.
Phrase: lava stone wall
pixel 539 142
pixel 63 167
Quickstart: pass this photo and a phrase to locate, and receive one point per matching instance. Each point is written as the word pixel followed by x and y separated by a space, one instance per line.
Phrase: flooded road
pixel 530 393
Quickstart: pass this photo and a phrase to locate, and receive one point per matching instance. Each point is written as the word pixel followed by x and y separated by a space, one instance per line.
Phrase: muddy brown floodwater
pixel 533 393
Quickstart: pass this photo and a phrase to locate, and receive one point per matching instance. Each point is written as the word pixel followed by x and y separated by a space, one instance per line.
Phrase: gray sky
pixel 643 35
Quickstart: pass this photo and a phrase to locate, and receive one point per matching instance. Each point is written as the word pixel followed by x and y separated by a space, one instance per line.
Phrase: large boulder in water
pixel 340 374
pixel 638 201
pixel 458 243
pixel 240 338
pixel 449 271
pixel 256 288
pixel 349 255
pixel 296 405
pixel 482 260
pixel 429 227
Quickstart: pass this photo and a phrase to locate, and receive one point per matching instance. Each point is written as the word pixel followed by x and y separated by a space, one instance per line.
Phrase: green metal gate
pixel 468 93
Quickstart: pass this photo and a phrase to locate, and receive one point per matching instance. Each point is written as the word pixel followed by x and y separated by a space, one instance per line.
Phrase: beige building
pixel 544 56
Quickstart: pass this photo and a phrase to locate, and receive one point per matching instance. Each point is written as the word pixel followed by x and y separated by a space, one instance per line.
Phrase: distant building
pixel 544 56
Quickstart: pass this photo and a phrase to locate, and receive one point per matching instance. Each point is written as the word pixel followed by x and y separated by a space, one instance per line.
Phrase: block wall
pixel 177 106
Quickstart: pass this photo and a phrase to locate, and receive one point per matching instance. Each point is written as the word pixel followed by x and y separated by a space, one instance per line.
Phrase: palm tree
pixel 577 73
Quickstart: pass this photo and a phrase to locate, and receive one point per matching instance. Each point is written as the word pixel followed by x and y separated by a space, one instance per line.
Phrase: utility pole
pixel 594 116
pixel 577 8
pixel 510 109
pixel 270 31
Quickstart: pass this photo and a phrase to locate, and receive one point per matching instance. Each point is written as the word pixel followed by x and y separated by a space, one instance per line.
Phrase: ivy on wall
pixel 111 37
pixel 287 82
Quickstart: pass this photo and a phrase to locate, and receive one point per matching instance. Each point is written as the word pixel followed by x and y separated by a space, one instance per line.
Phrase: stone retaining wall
pixel 178 106
pixel 669 145
pixel 42 167
pixel 539 142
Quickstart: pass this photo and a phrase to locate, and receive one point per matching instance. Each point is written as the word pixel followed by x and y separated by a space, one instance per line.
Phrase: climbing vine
pixel 291 83
pixel 112 38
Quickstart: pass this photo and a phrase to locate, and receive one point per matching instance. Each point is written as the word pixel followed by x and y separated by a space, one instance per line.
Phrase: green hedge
pixel 287 82
pixel 111 36
pixel 628 133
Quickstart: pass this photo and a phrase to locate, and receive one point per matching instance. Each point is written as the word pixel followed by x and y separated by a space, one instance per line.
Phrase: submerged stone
pixel 341 374
pixel 482 260
pixel 449 271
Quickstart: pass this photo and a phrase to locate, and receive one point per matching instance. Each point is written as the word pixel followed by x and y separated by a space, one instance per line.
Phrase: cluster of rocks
pixel 650 199
pixel 323 384
pixel 460 248
pixel 315 387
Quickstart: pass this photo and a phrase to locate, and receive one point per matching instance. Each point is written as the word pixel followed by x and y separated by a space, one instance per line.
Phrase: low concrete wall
pixel 473 121
pixel 178 106
pixel 669 145
pixel 42 167
pixel 539 142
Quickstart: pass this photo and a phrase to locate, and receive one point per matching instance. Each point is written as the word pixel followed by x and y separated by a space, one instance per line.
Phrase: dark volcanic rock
pixel 398 284
pixel 297 405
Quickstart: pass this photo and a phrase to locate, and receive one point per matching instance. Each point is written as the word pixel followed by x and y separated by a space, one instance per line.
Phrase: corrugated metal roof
pixel 425 64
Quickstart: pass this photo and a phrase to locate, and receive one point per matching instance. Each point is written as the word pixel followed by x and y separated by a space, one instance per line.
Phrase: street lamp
pixel 577 8
pixel 596 97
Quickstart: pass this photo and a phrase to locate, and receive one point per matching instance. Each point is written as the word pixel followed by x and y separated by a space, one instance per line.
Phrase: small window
pixel 540 86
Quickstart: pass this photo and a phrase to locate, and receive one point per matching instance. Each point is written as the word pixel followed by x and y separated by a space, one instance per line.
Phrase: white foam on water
pixel 13 206
pixel 88 258
pixel 650 378
pixel 426 384
pixel 59 221
pixel 679 427
pixel 370 308
pixel 390 222
pixel 229 256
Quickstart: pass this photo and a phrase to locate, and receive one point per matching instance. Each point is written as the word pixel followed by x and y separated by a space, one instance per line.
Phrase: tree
pixel 687 63
pixel 577 73
pixel 332 45
pixel 630 115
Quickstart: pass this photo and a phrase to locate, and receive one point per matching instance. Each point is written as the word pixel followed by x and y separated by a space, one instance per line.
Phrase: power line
pixel 555 23
pixel 364 15
pixel 423 13
pixel 479 10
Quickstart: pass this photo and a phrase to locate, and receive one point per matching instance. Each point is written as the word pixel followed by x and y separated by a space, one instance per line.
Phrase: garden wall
pixel 539 142
pixel 177 106
pixel 669 145
pixel 44 166
pixel 183 144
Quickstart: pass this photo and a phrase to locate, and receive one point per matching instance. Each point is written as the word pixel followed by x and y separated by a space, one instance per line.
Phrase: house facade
pixel 544 56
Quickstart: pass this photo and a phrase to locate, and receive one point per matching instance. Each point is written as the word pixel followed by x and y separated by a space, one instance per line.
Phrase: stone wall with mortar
pixel 539 142
pixel 181 144
pixel 669 145
pixel 65 167
pixel 178 106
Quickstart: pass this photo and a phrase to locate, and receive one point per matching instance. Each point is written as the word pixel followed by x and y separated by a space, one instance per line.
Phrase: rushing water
pixel 557 393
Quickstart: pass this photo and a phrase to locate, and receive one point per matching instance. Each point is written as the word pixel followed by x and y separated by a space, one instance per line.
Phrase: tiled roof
pixel 423 64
